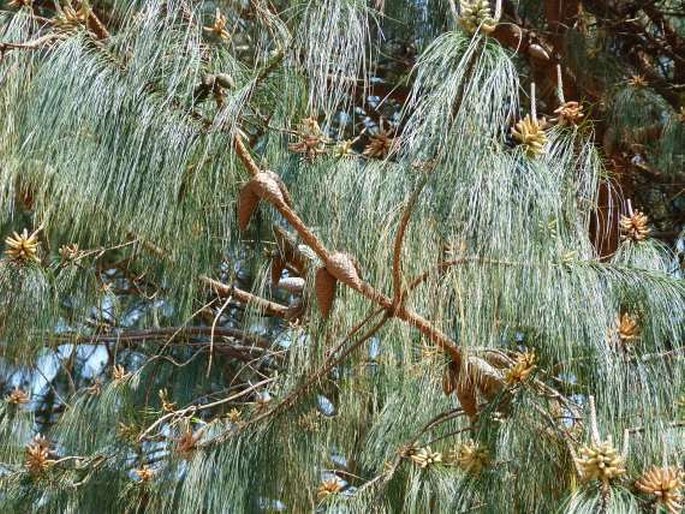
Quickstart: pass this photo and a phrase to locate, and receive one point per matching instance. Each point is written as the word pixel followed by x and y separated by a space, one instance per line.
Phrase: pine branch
pixel 292 397
pixel 262 305
pixel 424 326
pixel 193 409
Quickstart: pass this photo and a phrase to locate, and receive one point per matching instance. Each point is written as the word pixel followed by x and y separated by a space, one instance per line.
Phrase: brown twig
pixel 160 334
pixel 192 409
pixel 244 155
pixel 398 295
pixel 30 45
pixel 264 306
pixel 424 326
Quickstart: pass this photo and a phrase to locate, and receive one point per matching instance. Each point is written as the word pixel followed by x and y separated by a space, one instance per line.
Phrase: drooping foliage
pixel 327 256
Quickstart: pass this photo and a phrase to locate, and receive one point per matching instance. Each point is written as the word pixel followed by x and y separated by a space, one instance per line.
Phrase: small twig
pixel 192 409
pixel 326 368
pixel 211 334
pixel 445 436
pixel 673 424
pixel 30 45
pixel 157 334
pixel 399 240
pixel 445 265
pixel 263 305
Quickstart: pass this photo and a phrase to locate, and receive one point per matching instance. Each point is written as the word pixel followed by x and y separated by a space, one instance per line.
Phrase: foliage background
pixel 499 311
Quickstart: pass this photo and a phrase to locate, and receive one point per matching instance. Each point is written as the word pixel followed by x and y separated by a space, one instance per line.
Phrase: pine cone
pixel 294 285
pixel 345 269
pixel 247 204
pixel 277 267
pixel 450 378
pixel 325 285
pixel 187 443
pixel 267 185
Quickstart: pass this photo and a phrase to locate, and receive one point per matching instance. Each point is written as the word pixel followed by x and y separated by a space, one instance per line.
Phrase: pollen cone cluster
pixel 530 134
pixel 311 141
pixel 38 456
pixel 472 457
pixel 476 14
pixel 627 328
pixel 522 368
pixel 327 488
pixel 69 252
pixel 638 81
pixel 71 18
pixel 635 227
pixel 218 28
pixel 145 474
pixel 380 145
pixel 424 457
pixel 22 247
pixel 18 397
pixel 666 485
pixel 601 462
pixel 571 113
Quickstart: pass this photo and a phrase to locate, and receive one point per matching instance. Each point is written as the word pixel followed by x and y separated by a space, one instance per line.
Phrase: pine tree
pixel 338 256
